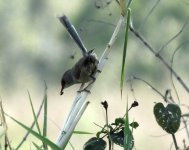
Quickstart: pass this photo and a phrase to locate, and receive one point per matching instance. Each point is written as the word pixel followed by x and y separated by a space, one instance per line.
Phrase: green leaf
pixel 125 51
pixel 168 117
pixel 82 132
pixel 118 138
pixel 45 113
pixel 34 115
pixel 128 138
pixel 119 121
pixel 37 135
pixel 95 144
pixel 134 124
pixel 45 116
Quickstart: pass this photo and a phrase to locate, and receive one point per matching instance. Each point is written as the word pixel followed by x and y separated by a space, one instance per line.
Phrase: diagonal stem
pixel 175 141
pixel 144 41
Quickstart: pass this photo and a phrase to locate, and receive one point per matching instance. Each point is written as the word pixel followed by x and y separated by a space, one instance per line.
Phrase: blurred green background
pixel 34 47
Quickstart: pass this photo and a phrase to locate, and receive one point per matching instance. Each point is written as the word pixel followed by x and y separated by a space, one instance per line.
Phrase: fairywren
pixel 82 72
pixel 85 68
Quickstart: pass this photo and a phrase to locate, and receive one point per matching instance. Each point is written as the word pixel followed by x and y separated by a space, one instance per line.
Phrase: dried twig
pixel 152 87
pixel 172 60
pixel 148 15
pixel 144 41
pixel 173 38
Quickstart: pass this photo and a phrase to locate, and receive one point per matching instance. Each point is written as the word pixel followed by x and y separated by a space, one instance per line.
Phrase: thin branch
pixel 185 115
pixel 131 88
pixel 152 87
pixel 173 38
pixel 185 126
pixel 101 22
pixel 148 15
pixel 140 37
pixel 78 105
pixel 172 60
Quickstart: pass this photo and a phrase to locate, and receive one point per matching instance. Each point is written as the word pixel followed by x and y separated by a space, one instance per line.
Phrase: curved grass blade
pixel 37 147
pixel 45 116
pixel 37 135
pixel 34 115
pixel 45 113
pixel 128 144
pixel 125 51
pixel 35 118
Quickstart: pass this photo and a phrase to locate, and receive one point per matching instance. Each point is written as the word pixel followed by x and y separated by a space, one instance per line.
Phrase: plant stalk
pixel 175 141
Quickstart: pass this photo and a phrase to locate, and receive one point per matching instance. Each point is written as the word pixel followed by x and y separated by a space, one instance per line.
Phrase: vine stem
pixel 79 104
pixel 144 41
pixel 175 141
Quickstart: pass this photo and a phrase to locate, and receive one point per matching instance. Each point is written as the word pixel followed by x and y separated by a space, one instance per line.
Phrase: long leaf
pixel 45 115
pixel 82 132
pixel 34 115
pixel 125 51
pixel 126 130
pixel 37 135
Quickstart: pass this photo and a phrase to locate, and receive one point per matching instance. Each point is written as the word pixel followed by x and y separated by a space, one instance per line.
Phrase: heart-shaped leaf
pixel 95 144
pixel 118 138
pixel 168 117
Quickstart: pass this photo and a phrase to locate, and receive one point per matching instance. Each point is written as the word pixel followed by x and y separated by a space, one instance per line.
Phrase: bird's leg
pixel 81 87
pixel 62 88
pixel 92 81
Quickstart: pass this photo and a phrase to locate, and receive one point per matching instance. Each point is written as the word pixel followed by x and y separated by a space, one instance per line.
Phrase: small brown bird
pixel 84 70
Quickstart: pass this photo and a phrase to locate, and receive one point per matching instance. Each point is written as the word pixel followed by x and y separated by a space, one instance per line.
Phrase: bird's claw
pixel 84 90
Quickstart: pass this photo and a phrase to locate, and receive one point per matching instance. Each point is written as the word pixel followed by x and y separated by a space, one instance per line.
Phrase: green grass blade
pixel 82 132
pixel 126 130
pixel 34 115
pixel 37 135
pixel 125 51
pixel 73 148
pixel 45 113
pixel 128 3
pixel 45 116
pixel 37 147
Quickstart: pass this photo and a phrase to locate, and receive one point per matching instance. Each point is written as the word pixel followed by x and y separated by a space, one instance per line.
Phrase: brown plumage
pixel 82 72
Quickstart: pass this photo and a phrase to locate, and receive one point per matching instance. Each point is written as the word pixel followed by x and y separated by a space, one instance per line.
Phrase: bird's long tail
pixel 73 33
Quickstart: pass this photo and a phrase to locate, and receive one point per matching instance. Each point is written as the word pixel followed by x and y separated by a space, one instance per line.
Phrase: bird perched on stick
pixel 85 68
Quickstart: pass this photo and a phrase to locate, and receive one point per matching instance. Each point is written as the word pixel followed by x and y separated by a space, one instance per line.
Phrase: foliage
pixel 120 132
pixel 168 117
